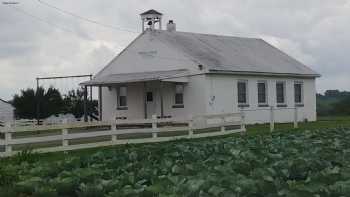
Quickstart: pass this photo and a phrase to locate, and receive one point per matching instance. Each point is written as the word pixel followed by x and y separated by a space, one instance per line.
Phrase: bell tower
pixel 150 18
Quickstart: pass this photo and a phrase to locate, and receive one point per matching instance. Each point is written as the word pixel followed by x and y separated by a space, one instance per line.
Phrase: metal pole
pixel 64 77
pixel 161 100
pixel 100 102
pixel 91 106
pixel 37 102
pixel 85 104
pixel 10 3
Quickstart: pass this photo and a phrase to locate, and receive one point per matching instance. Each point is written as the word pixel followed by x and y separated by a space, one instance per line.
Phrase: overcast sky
pixel 315 32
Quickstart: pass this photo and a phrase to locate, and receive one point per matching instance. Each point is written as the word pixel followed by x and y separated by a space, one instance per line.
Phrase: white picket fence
pixel 271 111
pixel 116 132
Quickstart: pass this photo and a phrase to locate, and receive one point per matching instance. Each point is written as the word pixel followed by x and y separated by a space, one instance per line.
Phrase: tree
pixel 74 103
pixel 332 93
pixel 333 102
pixel 51 103
pixel 342 107
pixel 25 104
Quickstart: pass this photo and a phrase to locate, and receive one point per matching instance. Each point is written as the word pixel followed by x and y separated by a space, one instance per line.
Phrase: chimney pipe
pixel 171 26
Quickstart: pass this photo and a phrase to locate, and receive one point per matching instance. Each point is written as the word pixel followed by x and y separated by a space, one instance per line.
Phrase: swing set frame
pixel 38 79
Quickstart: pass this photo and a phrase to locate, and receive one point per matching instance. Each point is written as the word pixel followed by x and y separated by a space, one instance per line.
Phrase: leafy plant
pixel 8 175
pixel 27 155
pixel 309 163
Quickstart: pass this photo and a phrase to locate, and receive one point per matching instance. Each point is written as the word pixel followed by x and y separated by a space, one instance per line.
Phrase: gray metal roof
pixel 5 101
pixel 182 50
pixel 136 77
pixel 234 54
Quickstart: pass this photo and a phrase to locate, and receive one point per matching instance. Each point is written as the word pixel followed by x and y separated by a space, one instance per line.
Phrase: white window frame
pixel 179 105
pixel 266 92
pixel 120 107
pixel 301 93
pixel 284 93
pixel 246 103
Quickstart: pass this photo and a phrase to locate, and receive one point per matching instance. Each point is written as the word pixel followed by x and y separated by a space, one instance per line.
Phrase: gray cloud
pixel 315 32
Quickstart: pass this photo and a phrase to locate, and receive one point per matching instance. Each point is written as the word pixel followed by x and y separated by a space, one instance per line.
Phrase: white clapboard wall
pixel 6 111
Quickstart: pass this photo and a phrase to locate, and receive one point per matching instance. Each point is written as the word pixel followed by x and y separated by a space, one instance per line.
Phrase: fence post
pixel 154 126
pixel 243 120
pixel 113 129
pixel 64 133
pixel 190 126
pixel 272 119
pixel 8 138
pixel 295 117
pixel 223 126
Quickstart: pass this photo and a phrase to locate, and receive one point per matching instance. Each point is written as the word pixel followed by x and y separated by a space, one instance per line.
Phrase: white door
pixel 151 103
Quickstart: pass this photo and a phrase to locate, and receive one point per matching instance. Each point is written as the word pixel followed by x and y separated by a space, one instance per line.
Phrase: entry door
pixel 151 103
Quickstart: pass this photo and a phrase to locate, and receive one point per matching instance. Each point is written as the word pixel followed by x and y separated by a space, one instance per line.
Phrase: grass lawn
pixel 321 123
pixel 313 160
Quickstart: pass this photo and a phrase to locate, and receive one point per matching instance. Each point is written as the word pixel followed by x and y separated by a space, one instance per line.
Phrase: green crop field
pixel 311 161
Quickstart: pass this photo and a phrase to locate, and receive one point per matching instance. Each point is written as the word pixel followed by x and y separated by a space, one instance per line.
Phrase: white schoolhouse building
pixel 169 73
pixel 6 111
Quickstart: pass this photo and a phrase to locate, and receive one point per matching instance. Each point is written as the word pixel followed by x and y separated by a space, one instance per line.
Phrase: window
pixel 179 96
pixel 149 96
pixel 298 92
pixel 242 87
pixel 262 92
pixel 280 92
pixel 122 97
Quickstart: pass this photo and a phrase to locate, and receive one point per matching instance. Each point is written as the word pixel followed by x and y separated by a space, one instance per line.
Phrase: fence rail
pixel 272 113
pixel 86 135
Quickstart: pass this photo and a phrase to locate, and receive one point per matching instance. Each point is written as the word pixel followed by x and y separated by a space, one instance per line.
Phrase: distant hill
pixel 333 102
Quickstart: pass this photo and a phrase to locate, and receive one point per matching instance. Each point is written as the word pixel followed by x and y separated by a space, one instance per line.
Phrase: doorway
pixel 151 103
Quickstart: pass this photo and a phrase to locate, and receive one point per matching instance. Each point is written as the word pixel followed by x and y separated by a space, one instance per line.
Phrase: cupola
pixel 150 18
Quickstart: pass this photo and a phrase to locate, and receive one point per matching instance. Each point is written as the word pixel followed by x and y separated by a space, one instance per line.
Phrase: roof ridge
pixel 209 34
